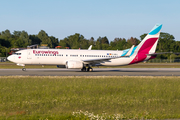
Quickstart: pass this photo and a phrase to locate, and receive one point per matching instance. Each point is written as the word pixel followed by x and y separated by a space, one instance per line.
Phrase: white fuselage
pixel 61 56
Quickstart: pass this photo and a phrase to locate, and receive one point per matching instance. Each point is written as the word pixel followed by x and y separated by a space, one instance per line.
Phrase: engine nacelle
pixel 61 66
pixel 74 64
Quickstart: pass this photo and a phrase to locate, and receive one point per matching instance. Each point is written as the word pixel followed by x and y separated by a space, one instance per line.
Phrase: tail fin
pixel 147 45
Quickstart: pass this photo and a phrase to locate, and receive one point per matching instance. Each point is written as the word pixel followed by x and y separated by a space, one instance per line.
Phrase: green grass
pixel 58 97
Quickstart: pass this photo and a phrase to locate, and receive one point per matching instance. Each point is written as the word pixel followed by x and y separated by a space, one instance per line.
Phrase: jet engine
pixel 74 64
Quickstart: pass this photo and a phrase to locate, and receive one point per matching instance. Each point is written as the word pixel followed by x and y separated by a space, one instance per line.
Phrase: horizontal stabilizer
pixel 129 52
pixel 154 54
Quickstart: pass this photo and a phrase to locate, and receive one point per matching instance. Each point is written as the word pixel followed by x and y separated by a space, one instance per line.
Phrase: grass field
pixel 9 65
pixel 23 97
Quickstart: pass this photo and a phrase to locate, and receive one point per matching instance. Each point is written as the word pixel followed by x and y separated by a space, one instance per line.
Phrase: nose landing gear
pixel 23 69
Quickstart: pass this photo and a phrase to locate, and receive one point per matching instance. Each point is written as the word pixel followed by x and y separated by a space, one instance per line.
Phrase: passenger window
pixel 17 53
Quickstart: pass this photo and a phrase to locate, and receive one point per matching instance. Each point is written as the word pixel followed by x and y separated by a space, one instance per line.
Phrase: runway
pixel 96 72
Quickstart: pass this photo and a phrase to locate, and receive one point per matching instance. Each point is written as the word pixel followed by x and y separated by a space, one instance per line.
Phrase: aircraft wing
pixel 109 58
pixel 99 60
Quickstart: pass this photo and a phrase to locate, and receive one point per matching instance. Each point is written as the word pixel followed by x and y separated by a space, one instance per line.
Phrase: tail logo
pixel 147 45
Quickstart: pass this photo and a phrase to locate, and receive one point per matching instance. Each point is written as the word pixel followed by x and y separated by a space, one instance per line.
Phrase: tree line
pixel 21 39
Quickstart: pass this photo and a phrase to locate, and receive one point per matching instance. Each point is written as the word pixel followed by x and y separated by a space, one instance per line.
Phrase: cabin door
pixel 29 54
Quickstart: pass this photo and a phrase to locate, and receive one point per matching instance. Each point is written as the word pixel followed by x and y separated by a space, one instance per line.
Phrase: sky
pixel 91 18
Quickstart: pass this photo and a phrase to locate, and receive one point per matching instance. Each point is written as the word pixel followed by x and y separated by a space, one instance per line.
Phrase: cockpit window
pixel 17 53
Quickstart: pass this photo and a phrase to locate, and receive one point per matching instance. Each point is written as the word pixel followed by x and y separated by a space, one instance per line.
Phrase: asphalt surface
pixel 96 72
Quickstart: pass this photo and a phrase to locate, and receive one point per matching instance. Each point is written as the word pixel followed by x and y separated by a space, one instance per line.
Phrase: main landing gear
pixel 89 69
pixel 83 69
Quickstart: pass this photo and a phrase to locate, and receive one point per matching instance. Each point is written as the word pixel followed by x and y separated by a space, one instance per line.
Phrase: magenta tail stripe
pixel 147 45
pixel 145 48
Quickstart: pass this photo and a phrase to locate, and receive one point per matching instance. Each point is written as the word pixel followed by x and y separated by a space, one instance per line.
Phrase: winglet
pixel 90 47
pixel 129 52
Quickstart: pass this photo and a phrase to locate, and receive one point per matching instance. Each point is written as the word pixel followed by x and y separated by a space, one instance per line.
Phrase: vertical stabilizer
pixel 147 45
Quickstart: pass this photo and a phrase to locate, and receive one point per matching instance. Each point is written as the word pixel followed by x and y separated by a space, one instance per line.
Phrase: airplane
pixel 85 59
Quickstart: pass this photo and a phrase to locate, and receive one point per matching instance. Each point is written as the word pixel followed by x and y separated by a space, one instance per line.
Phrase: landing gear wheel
pixel 89 69
pixel 83 69
pixel 24 69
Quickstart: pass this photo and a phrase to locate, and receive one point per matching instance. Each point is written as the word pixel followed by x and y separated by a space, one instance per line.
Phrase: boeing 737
pixel 85 59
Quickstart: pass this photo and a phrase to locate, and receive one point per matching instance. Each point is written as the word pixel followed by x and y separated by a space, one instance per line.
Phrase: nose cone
pixel 10 58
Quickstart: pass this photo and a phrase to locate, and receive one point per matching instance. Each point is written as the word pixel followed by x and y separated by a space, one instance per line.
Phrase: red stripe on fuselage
pixel 145 48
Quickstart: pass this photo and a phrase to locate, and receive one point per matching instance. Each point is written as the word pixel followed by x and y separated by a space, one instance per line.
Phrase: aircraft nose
pixel 9 58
